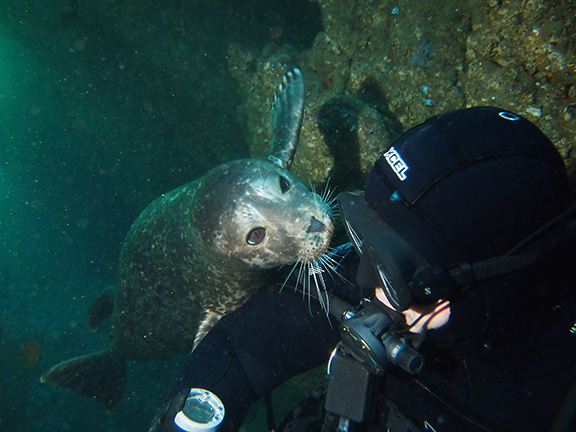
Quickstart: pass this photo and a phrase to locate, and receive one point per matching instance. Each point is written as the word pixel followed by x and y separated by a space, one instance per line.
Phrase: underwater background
pixel 106 105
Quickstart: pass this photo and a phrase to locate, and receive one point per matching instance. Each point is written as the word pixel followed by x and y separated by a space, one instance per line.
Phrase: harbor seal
pixel 199 252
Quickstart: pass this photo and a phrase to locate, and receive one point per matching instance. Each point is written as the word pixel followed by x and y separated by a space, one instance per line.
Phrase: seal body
pixel 199 252
pixel 188 258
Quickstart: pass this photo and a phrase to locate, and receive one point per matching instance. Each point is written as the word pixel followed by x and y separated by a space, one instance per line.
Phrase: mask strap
pixel 468 273
pixel 556 236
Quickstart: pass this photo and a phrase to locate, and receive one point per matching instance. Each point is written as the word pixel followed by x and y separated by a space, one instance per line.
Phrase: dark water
pixel 103 106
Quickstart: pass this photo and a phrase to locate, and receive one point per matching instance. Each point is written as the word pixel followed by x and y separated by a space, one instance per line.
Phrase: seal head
pixel 261 215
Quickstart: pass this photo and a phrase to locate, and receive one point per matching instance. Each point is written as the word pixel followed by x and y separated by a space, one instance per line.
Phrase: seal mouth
pixel 317 259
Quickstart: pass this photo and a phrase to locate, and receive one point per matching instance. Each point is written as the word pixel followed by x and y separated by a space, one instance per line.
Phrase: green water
pixel 103 107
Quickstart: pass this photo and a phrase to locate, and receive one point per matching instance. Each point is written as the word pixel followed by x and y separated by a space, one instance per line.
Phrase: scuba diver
pixel 462 311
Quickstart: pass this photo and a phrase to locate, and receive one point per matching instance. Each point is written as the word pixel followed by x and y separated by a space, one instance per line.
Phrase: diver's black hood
pixel 468 186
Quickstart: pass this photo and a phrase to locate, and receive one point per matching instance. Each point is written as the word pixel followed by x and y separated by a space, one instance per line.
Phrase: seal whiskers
pixel 309 277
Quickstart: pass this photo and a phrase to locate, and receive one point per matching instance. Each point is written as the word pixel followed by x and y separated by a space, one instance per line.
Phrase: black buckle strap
pixel 468 273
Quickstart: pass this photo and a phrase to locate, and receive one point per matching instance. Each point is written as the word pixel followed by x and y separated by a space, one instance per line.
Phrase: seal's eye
pixel 284 184
pixel 256 235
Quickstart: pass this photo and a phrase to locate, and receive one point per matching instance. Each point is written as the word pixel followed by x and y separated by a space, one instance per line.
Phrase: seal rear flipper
pixel 100 376
pixel 286 118
pixel 101 308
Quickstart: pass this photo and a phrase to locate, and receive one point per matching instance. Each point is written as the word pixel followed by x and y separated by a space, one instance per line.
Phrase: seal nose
pixel 315 226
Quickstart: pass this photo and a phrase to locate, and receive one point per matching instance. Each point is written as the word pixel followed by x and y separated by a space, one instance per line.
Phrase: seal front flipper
pixel 101 308
pixel 100 376
pixel 286 118
pixel 208 322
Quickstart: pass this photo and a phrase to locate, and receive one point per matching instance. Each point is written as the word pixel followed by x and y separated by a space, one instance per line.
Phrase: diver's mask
pixel 387 260
pixel 406 277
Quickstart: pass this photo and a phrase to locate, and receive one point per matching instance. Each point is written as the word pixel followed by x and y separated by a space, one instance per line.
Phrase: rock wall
pixel 385 66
